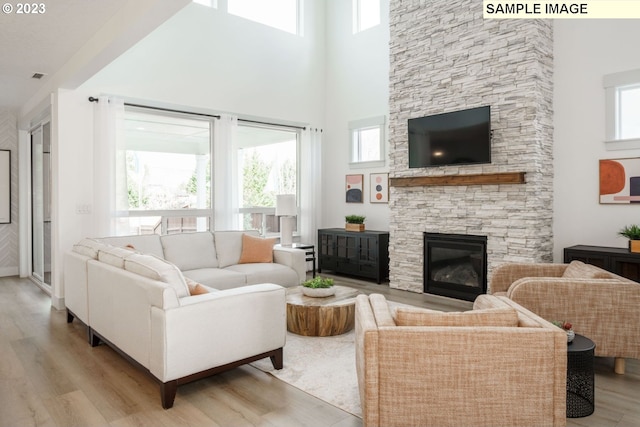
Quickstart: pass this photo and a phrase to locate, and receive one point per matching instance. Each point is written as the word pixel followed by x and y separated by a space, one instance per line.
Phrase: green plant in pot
pixel 318 287
pixel 354 222
pixel 631 232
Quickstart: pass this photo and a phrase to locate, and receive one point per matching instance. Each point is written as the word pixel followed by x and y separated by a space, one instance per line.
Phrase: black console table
pixel 619 261
pixel 356 253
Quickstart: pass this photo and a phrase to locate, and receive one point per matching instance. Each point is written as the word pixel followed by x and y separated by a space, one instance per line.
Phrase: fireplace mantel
pixel 469 179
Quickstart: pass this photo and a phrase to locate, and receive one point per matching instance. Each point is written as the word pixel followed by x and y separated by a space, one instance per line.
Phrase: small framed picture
pixel 379 188
pixel 354 187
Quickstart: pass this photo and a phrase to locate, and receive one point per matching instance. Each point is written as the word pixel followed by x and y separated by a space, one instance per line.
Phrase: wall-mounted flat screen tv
pixel 456 138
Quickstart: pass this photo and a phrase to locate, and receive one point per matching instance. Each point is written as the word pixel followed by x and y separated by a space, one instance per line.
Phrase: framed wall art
pixel 354 188
pixel 5 186
pixel 620 181
pixel 379 188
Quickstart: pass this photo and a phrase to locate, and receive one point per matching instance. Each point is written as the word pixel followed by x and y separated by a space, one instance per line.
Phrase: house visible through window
pixel 622 94
pixel 268 166
pixel 280 14
pixel 366 14
pixel 168 172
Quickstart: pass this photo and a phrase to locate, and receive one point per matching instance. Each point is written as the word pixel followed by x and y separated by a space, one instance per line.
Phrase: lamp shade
pixel 286 205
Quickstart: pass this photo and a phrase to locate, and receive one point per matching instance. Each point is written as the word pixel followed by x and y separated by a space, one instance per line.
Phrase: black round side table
pixel 580 377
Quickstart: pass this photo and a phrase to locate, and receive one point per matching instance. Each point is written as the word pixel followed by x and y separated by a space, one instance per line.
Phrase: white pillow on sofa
pixel 190 251
pixel 88 247
pixel 157 269
pixel 114 255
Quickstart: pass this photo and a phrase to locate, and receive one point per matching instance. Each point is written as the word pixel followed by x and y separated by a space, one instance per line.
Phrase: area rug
pixel 324 367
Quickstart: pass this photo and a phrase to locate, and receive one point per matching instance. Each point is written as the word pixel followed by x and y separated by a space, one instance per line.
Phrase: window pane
pixel 168 162
pixel 368 12
pixel 280 14
pixel 629 114
pixel 369 144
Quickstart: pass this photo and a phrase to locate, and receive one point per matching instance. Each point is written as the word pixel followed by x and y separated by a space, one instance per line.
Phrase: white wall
pixel 585 51
pixel 357 88
pixel 207 59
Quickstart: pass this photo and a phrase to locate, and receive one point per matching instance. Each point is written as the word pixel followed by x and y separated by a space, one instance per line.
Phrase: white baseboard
pixel 9 271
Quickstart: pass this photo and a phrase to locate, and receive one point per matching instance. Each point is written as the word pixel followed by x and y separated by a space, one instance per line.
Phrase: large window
pixel 280 14
pixel 168 172
pixel 268 166
pixel 623 109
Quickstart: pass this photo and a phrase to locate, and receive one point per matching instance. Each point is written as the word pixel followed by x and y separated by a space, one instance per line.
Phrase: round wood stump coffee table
pixel 321 317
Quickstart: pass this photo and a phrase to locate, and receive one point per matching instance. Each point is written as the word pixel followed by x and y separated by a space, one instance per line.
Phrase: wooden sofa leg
pixel 618 365
pixel 70 316
pixel 168 393
pixel 277 359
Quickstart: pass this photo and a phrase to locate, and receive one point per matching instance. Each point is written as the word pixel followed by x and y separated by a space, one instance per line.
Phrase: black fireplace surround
pixel 455 265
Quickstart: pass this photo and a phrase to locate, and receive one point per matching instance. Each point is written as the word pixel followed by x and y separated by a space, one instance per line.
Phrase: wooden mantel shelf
pixel 476 179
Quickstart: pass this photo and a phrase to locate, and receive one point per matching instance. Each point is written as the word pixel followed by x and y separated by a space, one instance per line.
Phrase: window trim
pixel 368 123
pixel 612 84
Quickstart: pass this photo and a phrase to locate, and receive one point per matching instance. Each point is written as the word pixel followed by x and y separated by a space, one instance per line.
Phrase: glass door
pixel 41 204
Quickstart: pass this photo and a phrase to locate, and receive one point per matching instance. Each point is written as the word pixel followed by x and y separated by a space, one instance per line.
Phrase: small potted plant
pixel 631 232
pixel 567 327
pixel 318 287
pixel 354 223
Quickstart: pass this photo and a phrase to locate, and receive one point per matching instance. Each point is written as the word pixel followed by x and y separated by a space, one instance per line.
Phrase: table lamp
pixel 286 210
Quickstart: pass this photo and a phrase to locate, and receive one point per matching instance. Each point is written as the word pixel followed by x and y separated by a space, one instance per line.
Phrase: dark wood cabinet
pixel 616 260
pixel 362 254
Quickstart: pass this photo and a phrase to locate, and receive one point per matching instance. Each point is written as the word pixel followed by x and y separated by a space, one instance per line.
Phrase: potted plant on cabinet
pixel 632 232
pixel 318 287
pixel 354 223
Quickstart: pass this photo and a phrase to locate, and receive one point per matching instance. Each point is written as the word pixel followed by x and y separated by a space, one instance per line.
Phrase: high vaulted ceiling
pixel 44 42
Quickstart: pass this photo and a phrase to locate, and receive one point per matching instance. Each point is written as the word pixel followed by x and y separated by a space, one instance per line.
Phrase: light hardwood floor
pixel 51 376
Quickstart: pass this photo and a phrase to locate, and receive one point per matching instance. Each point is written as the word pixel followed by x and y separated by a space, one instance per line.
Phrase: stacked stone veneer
pixel 446 57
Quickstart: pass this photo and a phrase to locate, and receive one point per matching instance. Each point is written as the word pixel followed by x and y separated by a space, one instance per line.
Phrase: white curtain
pixel 110 199
pixel 311 185
pixel 225 193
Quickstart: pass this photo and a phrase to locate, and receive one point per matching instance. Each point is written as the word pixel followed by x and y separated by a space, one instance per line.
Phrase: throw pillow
pixel 157 269
pixel 580 270
pixel 507 317
pixel 256 249
pixel 195 288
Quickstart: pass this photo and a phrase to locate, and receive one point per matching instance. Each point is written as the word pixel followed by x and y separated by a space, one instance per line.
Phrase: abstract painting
pixel 379 183
pixel 354 187
pixel 620 181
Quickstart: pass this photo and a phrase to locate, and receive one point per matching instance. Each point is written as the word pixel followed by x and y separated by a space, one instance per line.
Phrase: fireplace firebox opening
pixel 455 265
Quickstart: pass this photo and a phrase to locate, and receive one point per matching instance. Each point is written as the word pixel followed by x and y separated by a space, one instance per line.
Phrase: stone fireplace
pixel 444 57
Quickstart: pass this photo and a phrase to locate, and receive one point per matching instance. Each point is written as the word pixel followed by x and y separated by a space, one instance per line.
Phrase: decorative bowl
pixel 318 292
pixel 570 335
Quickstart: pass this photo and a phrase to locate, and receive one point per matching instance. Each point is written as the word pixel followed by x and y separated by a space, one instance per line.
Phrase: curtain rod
pixel 92 99
pixel 169 110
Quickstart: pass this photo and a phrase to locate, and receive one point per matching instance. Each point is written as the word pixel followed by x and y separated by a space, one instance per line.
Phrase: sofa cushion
pixel 157 269
pixel 146 243
pixel 266 273
pixel 189 251
pixel 229 246
pixel 256 249
pixel 217 278
pixel 507 317
pixel 114 255
pixel 580 270
pixel 88 247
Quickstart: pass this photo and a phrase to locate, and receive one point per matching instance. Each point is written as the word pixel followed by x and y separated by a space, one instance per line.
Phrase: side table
pixel 321 317
pixel 580 377
pixel 309 250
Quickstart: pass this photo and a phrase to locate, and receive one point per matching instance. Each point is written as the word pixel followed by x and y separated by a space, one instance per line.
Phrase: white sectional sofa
pixel 132 294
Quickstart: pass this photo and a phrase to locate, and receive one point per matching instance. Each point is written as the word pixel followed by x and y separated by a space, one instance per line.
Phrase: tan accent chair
pixel 459 375
pixel 599 304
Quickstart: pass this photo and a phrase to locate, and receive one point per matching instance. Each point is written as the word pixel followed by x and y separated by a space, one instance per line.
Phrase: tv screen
pixel 457 138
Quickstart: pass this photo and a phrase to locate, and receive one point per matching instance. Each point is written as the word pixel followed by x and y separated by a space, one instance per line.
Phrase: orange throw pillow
pixel 195 288
pixel 256 249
